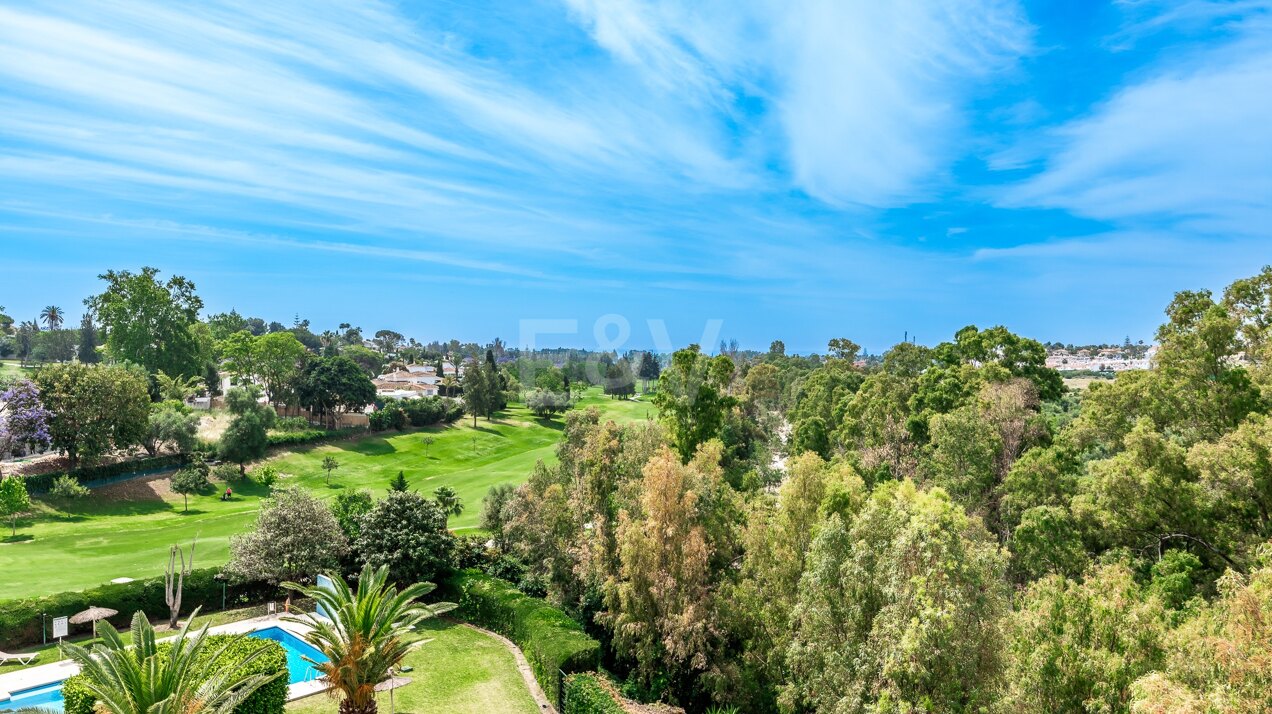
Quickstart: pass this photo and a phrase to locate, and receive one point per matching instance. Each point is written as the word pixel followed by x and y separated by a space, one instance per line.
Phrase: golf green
pixel 126 530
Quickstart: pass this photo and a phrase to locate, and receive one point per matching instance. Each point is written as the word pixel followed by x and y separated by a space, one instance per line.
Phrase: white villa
pixel 414 380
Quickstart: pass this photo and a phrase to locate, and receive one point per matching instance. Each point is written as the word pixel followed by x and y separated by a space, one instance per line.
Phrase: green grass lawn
pixel 457 670
pixel 11 368
pixel 72 547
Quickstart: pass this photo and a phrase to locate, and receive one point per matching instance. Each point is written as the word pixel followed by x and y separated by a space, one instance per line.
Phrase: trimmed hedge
pixel 549 638
pixel 41 483
pixel 309 436
pixel 584 694
pixel 20 620
pixel 269 699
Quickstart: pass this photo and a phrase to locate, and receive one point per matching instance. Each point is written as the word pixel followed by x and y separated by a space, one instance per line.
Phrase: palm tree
pixel 177 388
pixel 450 502
pixel 138 679
pixel 52 316
pixel 363 636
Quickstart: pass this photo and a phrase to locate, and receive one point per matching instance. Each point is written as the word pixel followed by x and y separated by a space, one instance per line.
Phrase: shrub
pixel 584 694
pixel 76 697
pixel 471 552
pixel 67 487
pixel 265 475
pixel 292 424
pixel 406 532
pixel 269 699
pixel 20 621
pixel 550 640
pixel 391 416
pixel 43 483
pixel 427 410
pixel 228 473
pixel 309 436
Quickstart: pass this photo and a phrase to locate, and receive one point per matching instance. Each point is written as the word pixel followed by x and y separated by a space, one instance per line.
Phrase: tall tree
pixel 477 393
pixel 246 437
pixel 87 350
pixel 899 611
pixel 328 386
pixel 149 322
pixel 648 369
pixel 692 398
pixel 296 536
pixel 95 408
pixel 661 606
pixel 14 500
pixel 278 358
pixel 52 317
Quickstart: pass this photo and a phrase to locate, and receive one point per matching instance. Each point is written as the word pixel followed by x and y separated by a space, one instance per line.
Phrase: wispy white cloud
pixel 1187 146
pixel 866 98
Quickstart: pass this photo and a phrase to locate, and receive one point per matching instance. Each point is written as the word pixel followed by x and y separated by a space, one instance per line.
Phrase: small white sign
pixel 60 625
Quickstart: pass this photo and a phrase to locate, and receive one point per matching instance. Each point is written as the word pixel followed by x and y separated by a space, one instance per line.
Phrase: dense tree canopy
pixel 149 322
pixel 94 408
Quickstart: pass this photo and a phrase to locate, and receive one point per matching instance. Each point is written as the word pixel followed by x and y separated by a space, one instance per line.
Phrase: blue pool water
pixel 298 669
pixel 49 696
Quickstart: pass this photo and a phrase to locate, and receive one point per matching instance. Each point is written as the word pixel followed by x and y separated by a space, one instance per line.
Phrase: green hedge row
pixel 269 699
pixel 21 621
pixel 41 483
pixel 550 639
pixel 585 695
pixel 309 436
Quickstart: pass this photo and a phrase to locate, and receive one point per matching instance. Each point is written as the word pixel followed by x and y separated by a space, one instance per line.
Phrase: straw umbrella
pixel 93 614
pixel 389 685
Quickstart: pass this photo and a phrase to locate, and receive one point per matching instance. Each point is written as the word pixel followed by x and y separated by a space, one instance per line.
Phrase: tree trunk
pixel 347 706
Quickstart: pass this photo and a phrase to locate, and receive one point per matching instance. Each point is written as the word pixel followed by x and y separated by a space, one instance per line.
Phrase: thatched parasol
pixel 93 614
pixel 389 685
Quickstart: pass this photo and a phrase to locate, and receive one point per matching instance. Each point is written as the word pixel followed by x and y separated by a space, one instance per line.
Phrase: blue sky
pixel 795 169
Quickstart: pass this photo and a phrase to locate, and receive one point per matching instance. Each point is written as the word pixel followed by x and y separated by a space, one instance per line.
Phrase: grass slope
pixel 12 368
pixel 89 542
pixel 457 670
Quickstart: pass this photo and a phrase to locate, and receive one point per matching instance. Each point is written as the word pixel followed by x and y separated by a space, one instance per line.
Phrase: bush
pixel 265 475
pixel 43 483
pixel 309 436
pixel 406 532
pixel 391 416
pixel 427 411
pixel 584 694
pixel 76 697
pixel 228 473
pixel 292 424
pixel 269 699
pixel 67 487
pixel 20 621
pixel 549 639
pixel 471 552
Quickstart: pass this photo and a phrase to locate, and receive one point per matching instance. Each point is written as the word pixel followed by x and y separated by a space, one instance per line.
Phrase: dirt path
pixel 783 435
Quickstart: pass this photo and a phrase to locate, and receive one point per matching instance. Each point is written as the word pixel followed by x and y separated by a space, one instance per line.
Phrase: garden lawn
pixel 457 670
pixel 125 531
pixel 12 368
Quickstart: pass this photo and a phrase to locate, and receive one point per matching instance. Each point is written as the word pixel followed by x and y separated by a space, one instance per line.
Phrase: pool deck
pixel 41 675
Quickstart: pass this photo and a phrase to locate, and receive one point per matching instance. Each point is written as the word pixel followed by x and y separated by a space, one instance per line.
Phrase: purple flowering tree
pixel 24 422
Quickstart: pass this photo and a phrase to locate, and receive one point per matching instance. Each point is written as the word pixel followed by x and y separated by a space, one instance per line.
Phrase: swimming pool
pixel 298 669
pixel 45 696
pixel 49 696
